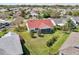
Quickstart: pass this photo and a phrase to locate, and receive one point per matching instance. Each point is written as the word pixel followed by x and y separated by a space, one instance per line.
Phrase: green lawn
pixel 62 37
pixel 1 34
pixel 38 46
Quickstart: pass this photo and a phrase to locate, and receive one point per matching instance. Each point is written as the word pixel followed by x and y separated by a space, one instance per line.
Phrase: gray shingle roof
pixel 70 51
pixel 72 40
pixel 76 18
pixel 10 44
pixel 69 45
pixel 60 20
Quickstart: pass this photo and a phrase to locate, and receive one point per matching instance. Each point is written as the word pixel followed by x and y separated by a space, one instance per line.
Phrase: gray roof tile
pixel 10 44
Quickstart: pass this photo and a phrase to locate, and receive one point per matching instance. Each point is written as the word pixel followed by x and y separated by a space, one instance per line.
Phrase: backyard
pixel 37 46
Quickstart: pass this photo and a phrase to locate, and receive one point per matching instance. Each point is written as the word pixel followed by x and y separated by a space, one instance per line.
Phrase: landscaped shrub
pixel 32 34
pixel 20 28
pixel 41 35
pixel 69 26
pixel 52 41
pixel 77 29
pixel 57 28
pixel 4 30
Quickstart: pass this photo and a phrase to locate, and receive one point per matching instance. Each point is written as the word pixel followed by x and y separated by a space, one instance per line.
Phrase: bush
pixel 41 35
pixel 52 41
pixel 4 30
pixel 77 29
pixel 20 28
pixel 69 26
pixel 43 14
pixel 32 34
pixel 57 28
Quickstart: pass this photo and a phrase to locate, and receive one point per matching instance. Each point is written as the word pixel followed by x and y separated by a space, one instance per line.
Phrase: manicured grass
pixel 25 35
pixel 1 34
pixel 37 46
pixel 62 37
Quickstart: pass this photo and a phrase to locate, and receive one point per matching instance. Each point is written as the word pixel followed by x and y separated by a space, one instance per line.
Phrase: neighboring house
pixel 10 44
pixel 76 20
pixel 14 9
pixel 60 21
pixel 71 45
pixel 3 10
pixel 4 24
pixel 45 26
pixel 33 14
pixel 4 21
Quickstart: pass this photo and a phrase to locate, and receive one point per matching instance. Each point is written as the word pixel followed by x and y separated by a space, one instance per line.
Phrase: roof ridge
pixel 43 24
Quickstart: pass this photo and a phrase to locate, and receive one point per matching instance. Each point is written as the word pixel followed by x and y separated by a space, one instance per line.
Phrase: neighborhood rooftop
pixel 70 44
pixel 10 44
pixel 70 51
pixel 40 23
pixel 39 30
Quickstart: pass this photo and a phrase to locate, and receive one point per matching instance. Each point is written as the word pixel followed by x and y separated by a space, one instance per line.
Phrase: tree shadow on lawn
pixel 25 50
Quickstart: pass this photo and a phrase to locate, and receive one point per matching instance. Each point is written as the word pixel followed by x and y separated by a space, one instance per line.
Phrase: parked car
pixel 4 25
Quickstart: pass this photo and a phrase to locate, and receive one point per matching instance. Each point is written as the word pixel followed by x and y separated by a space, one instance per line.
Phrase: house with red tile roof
pixel 45 25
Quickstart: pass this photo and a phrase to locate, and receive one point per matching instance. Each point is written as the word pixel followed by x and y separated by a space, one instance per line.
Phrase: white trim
pixel 61 24
pixel 53 22
pixel 27 26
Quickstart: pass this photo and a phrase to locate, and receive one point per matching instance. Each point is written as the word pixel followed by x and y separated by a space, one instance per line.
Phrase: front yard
pixel 37 46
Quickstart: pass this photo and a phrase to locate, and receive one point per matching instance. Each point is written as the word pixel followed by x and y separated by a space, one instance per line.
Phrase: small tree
pixel 55 14
pixel 4 30
pixel 69 26
pixel 32 34
pixel 51 41
pixel 57 27
pixel 69 13
pixel 23 13
pixel 44 14
pixel 20 28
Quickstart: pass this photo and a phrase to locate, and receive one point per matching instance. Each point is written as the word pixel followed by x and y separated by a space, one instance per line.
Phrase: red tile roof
pixel 39 24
